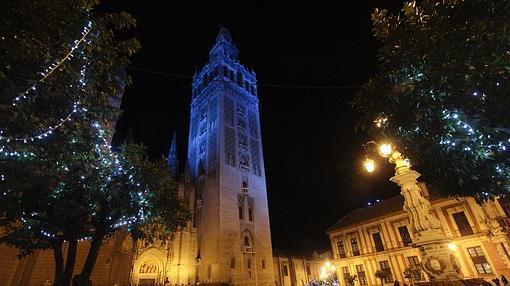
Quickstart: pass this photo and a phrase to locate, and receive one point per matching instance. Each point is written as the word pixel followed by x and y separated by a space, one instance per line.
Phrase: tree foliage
pixel 383 274
pixel 350 279
pixel 59 180
pixel 413 273
pixel 442 93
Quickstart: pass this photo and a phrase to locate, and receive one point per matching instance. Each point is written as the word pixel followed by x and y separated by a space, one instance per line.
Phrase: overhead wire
pixel 270 85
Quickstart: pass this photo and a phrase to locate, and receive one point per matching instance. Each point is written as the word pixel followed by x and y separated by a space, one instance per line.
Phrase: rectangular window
pixel 308 272
pixel 414 261
pixel 462 223
pixel 346 275
pixel 479 260
pixel 385 266
pixel 362 277
pixel 355 246
pixel 378 242
pixel 404 234
pixel 263 264
pixel 233 262
pixel 285 270
pixel 341 249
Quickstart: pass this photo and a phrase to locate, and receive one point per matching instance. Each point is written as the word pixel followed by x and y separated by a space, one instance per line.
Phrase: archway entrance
pixel 148 272
pixel 149 268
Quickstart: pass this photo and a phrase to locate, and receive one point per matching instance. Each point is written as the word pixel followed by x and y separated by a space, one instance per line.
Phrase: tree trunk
pixel 59 260
pixel 70 261
pixel 83 278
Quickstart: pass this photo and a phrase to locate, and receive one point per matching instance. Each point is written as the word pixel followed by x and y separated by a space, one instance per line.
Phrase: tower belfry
pixel 226 163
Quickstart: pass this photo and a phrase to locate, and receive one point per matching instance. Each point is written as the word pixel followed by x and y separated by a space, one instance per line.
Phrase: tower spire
pixel 224 46
pixel 173 161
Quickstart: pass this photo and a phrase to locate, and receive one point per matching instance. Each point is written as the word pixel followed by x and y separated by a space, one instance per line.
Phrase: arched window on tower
pixel 243 162
pixel 239 79
pixel 245 187
pixel 241 213
pixel 240 206
pixel 250 209
pixel 232 262
pixel 247 242
pixel 200 168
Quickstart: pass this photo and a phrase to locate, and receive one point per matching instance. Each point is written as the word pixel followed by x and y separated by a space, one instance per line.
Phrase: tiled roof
pixel 391 205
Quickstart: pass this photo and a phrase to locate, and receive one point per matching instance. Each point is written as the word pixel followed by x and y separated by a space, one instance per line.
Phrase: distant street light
pixel 328 274
pixel 438 257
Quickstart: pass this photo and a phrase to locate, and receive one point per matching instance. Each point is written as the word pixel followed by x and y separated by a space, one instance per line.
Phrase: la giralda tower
pixel 226 162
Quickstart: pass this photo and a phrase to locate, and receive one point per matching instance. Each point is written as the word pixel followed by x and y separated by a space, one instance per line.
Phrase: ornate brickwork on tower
pixel 225 157
pixel 228 239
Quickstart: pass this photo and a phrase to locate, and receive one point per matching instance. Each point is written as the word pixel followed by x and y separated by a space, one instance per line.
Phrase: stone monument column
pixel 438 261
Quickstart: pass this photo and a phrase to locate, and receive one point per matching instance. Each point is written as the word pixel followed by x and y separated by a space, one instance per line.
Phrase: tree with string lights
pixel 59 180
pixel 442 92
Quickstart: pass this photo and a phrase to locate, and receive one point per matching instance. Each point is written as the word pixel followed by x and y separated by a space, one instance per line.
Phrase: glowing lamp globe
pixel 369 165
pixel 385 149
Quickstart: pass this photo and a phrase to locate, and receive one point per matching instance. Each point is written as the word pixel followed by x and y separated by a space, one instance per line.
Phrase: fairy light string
pixel 464 135
pixel 45 73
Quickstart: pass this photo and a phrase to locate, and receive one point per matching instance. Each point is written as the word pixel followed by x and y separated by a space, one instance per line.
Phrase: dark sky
pixel 312 153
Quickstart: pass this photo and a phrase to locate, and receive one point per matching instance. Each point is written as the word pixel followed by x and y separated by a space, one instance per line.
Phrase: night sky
pixel 310 59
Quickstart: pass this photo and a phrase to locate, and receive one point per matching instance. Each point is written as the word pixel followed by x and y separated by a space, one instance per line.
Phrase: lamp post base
pixel 439 261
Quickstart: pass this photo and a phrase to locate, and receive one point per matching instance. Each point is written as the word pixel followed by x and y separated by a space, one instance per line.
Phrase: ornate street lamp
pixel 438 257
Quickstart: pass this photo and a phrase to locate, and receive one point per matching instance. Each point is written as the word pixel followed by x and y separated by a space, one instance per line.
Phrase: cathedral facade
pixel 228 239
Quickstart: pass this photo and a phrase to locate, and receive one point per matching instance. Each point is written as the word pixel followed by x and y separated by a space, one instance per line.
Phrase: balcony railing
pixel 248 249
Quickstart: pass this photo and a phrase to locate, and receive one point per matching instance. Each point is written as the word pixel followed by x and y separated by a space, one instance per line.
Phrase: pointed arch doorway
pixel 149 268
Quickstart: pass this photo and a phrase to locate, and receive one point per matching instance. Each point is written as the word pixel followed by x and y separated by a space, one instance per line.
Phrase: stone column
pixel 438 261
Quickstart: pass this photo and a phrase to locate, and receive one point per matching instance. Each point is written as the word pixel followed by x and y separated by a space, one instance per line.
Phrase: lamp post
pixel 327 275
pixel 438 259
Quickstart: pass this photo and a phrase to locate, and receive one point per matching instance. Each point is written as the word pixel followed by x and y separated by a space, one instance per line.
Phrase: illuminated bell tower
pixel 226 163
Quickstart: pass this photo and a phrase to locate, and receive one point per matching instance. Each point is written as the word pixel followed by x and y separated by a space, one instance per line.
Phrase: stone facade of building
pixel 378 237
pixel 113 266
pixel 293 268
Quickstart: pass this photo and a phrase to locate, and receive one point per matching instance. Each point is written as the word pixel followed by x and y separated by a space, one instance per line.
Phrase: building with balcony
pixel 379 237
